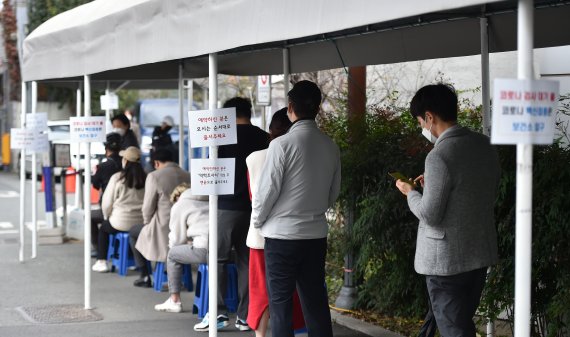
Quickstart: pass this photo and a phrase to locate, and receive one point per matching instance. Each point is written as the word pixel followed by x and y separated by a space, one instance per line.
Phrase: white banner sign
pixel 524 111
pixel 21 138
pixel 109 102
pixel 37 121
pixel 87 129
pixel 213 176
pixel 264 90
pixel 212 127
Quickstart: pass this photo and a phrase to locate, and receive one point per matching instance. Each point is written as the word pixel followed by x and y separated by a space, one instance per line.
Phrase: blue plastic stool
pixel 119 253
pixel 201 297
pixel 161 277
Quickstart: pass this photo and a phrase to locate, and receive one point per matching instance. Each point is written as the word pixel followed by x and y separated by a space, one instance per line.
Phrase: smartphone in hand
pixel 399 176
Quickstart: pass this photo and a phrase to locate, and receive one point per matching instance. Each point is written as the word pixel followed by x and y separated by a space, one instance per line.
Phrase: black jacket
pixel 105 170
pixel 129 139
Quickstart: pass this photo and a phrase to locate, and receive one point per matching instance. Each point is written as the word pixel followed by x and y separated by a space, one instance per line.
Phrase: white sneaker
pixel 100 266
pixel 222 322
pixel 169 306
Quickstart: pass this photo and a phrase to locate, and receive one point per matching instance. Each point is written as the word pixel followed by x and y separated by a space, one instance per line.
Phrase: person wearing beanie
pixel 122 203
pixel 161 137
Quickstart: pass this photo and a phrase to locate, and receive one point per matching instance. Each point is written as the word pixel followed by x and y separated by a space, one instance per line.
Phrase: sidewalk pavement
pixel 55 278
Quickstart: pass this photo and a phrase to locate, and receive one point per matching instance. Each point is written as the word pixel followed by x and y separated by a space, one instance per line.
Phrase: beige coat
pixel 122 205
pixel 153 239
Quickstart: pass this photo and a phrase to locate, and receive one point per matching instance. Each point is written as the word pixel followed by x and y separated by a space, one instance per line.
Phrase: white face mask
pixel 124 162
pixel 427 133
pixel 119 131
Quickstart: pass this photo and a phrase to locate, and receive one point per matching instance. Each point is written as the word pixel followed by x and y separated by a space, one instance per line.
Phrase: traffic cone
pixel 94 196
pixel 70 180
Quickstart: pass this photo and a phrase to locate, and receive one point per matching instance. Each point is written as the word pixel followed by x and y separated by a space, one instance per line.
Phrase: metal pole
pixel 108 108
pixel 205 103
pixel 190 94
pixel 34 94
pixel 181 115
pixel 213 229
pixel 22 175
pixel 78 195
pixel 286 72
pixel 87 194
pixel 523 244
pixel 485 78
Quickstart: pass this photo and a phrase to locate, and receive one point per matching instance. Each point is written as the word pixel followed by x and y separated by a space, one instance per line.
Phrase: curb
pixel 361 326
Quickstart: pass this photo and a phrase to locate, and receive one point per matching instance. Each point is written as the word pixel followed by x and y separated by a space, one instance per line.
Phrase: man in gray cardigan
pixel 457 238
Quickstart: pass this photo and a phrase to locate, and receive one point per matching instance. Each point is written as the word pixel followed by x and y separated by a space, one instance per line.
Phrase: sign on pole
pixel 21 139
pixel 212 127
pixel 37 121
pixel 524 111
pixel 264 90
pixel 109 102
pixel 213 176
pixel 40 143
pixel 87 129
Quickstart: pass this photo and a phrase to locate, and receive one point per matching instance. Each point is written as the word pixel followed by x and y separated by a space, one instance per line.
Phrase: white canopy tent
pixel 149 40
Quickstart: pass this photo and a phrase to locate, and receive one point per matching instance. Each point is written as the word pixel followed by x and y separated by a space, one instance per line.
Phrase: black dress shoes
pixel 143 281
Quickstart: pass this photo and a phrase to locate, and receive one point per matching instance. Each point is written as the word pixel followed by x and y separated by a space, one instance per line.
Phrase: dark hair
pixel 124 119
pixel 439 99
pixel 134 175
pixel 280 124
pixel 306 99
pixel 162 155
pixel 242 105
pixel 113 142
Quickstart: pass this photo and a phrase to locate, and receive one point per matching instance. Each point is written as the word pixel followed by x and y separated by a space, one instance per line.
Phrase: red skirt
pixel 258 297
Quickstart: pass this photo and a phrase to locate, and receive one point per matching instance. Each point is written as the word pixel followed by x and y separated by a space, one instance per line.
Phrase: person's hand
pixel 404 187
pixel 420 179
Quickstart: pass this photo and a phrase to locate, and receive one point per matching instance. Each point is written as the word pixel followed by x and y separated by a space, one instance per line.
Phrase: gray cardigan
pixel 457 231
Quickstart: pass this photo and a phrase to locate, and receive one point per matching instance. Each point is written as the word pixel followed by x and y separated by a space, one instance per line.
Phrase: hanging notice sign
pixel 264 90
pixel 212 127
pixel 40 142
pixel 524 111
pixel 213 176
pixel 87 129
pixel 21 139
pixel 37 121
pixel 109 102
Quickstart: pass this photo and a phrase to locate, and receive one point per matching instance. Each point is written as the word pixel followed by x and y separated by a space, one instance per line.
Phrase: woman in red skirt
pixel 258 311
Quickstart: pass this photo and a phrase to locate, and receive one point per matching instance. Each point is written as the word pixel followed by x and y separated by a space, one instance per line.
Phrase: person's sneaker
pixel 241 325
pixel 100 266
pixel 143 282
pixel 223 321
pixel 169 306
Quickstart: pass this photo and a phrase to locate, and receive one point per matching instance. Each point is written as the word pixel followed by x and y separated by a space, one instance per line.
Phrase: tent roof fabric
pixel 146 39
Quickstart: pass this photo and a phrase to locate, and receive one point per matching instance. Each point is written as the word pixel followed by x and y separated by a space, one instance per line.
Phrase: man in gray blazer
pixel 457 238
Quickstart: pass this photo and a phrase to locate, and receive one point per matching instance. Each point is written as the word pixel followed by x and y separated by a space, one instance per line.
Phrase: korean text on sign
pixel 87 129
pixel 212 127
pixel 213 176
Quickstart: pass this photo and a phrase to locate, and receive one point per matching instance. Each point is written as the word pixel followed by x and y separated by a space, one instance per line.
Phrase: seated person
pixel 187 240
pixel 122 203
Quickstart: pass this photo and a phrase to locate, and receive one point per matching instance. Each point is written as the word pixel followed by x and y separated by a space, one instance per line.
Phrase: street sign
pixel 264 90
pixel 213 176
pixel 87 129
pixel 109 102
pixel 524 111
pixel 212 127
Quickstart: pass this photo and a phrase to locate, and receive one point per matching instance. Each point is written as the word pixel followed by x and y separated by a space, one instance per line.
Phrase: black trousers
pixel 429 327
pixel 454 300
pixel 103 239
pixel 301 264
pixel 140 261
pixel 96 219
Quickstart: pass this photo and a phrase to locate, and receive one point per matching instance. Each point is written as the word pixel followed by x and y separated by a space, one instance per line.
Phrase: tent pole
pixel 108 108
pixel 523 244
pixel 190 93
pixel 485 81
pixel 87 194
pixel 213 228
pixel 78 195
pixel 34 95
pixel 286 72
pixel 22 175
pixel 181 115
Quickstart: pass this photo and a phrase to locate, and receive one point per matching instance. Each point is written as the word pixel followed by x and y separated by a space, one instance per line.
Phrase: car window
pixel 59 128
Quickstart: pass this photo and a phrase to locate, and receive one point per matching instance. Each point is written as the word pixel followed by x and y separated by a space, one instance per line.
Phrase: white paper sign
pixel 21 138
pixel 37 121
pixel 212 127
pixel 264 90
pixel 109 102
pixel 213 176
pixel 524 111
pixel 87 129
pixel 40 143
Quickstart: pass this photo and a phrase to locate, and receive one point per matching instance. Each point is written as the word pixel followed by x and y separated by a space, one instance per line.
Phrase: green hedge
pixel 384 232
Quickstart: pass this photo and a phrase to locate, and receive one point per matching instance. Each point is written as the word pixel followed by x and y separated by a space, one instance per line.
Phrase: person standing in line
pixel 457 239
pixel 122 126
pixel 258 312
pixel 299 182
pixel 234 212
pixel 150 240
pixel 122 203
